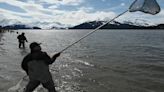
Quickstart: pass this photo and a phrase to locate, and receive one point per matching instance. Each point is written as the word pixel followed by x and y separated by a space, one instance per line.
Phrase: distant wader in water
pixel 21 39
pixel 36 65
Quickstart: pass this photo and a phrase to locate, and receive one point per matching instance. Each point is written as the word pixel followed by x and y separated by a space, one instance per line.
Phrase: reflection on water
pixel 24 51
pixel 2 50
pixel 107 61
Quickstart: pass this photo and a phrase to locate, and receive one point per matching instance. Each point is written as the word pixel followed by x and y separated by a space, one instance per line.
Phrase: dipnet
pixel 146 6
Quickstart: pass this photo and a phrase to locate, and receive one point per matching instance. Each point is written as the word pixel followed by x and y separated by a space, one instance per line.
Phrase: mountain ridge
pixel 116 25
pixel 142 24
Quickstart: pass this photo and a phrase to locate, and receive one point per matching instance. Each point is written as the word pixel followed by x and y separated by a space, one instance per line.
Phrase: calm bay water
pixel 106 61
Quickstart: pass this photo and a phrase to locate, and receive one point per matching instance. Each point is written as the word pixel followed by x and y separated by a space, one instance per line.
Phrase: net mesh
pixel 146 6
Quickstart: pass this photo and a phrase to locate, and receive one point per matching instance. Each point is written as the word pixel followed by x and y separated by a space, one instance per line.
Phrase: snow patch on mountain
pixel 138 22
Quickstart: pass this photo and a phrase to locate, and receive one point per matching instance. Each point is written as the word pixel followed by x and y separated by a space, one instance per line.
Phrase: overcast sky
pixel 72 11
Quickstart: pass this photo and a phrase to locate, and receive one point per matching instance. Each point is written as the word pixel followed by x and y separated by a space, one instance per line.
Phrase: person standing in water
pixel 36 65
pixel 21 39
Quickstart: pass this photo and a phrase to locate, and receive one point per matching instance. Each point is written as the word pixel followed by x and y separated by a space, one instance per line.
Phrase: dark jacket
pixel 21 38
pixel 36 65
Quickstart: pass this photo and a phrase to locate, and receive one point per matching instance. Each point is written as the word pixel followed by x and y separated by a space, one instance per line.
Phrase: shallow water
pixel 106 61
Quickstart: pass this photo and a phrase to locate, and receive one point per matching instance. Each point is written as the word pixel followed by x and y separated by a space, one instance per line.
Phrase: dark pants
pixel 21 44
pixel 34 83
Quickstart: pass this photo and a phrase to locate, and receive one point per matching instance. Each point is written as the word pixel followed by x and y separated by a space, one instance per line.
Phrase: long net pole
pixel 93 31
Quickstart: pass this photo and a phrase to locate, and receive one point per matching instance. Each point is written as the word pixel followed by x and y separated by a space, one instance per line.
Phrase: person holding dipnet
pixel 36 65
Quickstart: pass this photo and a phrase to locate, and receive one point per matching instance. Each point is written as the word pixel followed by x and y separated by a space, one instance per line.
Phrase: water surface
pixel 106 61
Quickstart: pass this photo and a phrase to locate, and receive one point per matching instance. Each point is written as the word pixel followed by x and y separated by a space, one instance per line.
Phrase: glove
pixel 56 55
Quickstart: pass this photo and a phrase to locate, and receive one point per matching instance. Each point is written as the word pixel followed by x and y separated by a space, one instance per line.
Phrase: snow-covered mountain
pixel 43 25
pixel 128 24
pixel 48 25
pixel 137 24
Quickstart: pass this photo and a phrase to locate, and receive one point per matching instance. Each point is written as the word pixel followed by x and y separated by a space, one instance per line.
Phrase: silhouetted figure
pixel 36 64
pixel 21 39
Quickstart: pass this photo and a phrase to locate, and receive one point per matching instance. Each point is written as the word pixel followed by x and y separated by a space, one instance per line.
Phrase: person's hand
pixel 58 54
